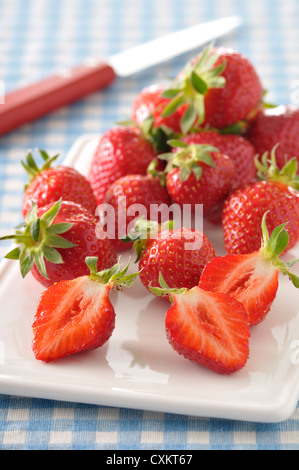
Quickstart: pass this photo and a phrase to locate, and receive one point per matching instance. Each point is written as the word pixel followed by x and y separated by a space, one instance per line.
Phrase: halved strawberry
pixel 77 315
pixel 252 278
pixel 209 328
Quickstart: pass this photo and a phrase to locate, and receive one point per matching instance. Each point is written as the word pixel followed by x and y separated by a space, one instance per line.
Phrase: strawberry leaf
pixel 52 255
pixel 192 84
pixel 37 240
pixel 178 101
pixel 188 118
pixel 273 246
pixel 35 229
pixel 116 275
pixel 31 167
pixel 198 83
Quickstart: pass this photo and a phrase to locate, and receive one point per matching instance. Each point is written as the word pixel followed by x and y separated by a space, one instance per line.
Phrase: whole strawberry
pixel 243 210
pixel 237 148
pixel 77 315
pixel 150 103
pixel 218 88
pixel 208 328
pixel 46 185
pixel 252 278
pixel 126 198
pixel 122 150
pixel 178 254
pixel 277 126
pixel 198 174
pixel 55 240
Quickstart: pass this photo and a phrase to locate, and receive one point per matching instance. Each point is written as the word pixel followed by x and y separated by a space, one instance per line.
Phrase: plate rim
pixel 276 411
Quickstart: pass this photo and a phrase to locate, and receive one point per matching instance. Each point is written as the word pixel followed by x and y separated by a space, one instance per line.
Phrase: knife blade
pixel 38 99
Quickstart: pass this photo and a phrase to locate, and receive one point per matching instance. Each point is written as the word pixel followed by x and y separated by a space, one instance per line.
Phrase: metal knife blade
pixel 172 45
pixel 34 101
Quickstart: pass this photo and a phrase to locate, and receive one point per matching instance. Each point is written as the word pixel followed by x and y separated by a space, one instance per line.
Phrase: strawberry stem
pixel 38 239
pixel 165 290
pixel 143 231
pixel 116 275
pixel 191 86
pixel 267 169
pixel 187 158
pixel 273 246
pixel 31 167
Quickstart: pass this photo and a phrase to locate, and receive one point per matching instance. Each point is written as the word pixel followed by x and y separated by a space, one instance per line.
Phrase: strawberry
pixel 218 88
pixel 150 103
pixel 77 315
pixel 208 328
pixel 179 254
pixel 279 125
pixel 252 278
pixel 243 210
pixel 49 256
pixel 239 150
pixel 122 150
pixel 133 194
pixel 197 174
pixel 46 185
pixel 236 147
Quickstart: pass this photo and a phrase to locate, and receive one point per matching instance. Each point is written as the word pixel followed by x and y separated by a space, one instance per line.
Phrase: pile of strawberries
pixel 209 139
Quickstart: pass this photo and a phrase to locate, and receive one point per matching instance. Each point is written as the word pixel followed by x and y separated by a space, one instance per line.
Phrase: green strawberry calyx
pixel 191 86
pixel 37 239
pixel 273 246
pixel 187 158
pixel 165 290
pixel 143 231
pixel 114 276
pixel 156 136
pixel 31 168
pixel 267 169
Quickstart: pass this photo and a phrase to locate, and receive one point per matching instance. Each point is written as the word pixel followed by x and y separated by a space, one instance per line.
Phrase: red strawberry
pixel 220 88
pixel 209 328
pixel 179 254
pixel 150 103
pixel 278 125
pixel 51 257
pixel 236 147
pixel 127 197
pixel 47 185
pixel 121 151
pixel 244 208
pixel 76 315
pixel 198 174
pixel 252 279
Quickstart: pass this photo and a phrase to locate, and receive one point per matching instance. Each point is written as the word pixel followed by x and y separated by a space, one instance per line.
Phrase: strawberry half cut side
pixel 209 328
pixel 77 315
pixel 252 278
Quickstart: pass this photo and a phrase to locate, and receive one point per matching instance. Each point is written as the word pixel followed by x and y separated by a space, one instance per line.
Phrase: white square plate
pixel 137 368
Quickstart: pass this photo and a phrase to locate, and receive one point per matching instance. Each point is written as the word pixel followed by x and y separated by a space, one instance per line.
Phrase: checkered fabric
pixel 40 36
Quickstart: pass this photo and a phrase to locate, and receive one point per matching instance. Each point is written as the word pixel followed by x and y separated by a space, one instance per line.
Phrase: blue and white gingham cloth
pixel 40 36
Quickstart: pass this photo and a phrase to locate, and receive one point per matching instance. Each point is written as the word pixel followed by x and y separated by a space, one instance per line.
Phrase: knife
pixel 38 99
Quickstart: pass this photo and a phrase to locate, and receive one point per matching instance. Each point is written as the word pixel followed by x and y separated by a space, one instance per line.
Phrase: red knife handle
pixel 34 101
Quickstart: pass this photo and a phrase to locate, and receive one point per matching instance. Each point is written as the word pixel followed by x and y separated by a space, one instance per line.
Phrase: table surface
pixel 38 37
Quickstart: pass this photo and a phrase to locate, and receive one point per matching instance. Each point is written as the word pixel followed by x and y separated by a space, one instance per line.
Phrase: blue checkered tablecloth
pixel 40 36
